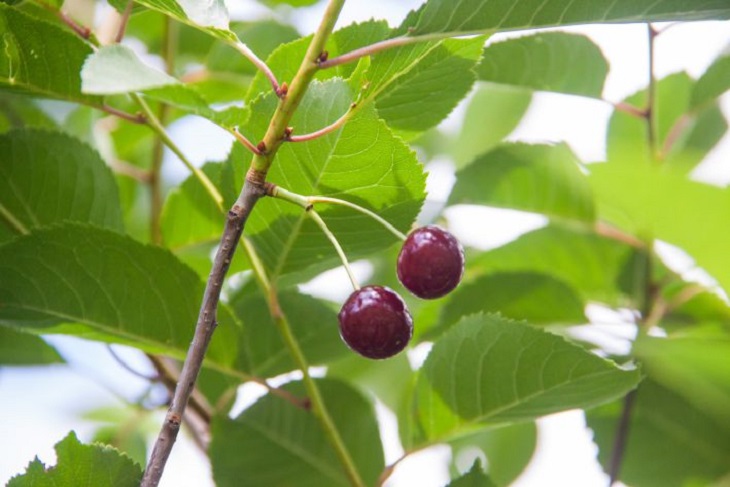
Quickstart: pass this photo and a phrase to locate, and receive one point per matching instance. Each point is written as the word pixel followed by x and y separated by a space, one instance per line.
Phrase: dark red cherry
pixel 431 262
pixel 375 322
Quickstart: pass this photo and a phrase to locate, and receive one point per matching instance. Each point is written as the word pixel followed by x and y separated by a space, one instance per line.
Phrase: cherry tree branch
pixel 235 222
pixel 253 189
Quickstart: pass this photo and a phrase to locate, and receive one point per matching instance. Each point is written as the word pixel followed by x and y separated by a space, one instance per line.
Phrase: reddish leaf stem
pixel 323 131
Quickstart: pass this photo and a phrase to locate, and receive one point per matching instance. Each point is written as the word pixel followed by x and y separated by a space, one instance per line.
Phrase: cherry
pixel 375 322
pixel 431 262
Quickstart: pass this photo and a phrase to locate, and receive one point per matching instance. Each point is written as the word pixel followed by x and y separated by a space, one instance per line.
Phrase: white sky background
pixel 39 406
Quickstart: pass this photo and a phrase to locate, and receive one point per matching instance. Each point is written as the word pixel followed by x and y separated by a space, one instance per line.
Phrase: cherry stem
pixel 323 226
pixel 303 201
pixel 364 211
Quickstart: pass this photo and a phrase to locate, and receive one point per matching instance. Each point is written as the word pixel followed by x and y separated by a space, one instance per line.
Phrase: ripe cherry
pixel 375 322
pixel 431 262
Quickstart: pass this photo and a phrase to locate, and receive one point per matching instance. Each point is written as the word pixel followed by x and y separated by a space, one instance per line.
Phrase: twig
pixel 605 230
pixel 323 131
pixel 245 142
pixel 382 46
pixel 650 110
pixel 628 109
pixel 679 126
pixel 235 222
pixel 137 118
pixel 122 167
pixel 318 405
pixel 621 438
pixel 260 65
pixel 82 31
pixel 123 21
pixel 199 175
pixel 169 374
pixel 122 363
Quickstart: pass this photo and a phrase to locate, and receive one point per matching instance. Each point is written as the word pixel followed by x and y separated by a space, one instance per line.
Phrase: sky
pixel 40 405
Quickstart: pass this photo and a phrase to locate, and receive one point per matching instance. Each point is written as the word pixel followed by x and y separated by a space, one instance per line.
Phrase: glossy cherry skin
pixel 375 322
pixel 431 262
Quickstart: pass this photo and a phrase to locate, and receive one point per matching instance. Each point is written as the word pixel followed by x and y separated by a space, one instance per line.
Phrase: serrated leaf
pixel 19 348
pixel 695 368
pixel 493 113
pixel 473 478
pixel 470 16
pixel 275 443
pixel 538 178
pixel 363 163
pixel 489 370
pixel 549 61
pixel 425 94
pixel 665 205
pixel 536 298
pixel 313 323
pixel 670 444
pixel 116 69
pixel 41 58
pixel 98 284
pixel 81 465
pixel 48 177
pixel 597 268
pixel 508 449
pixel 714 82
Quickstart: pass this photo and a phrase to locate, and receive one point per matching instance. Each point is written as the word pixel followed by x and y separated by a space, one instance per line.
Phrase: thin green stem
pixel 160 130
pixel 306 203
pixel 13 222
pixel 318 406
pixel 356 207
pixel 323 226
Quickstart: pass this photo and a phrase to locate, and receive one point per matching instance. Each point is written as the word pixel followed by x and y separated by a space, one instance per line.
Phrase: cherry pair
pixel 374 321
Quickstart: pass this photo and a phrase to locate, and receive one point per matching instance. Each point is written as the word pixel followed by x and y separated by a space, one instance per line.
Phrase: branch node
pixel 309 207
pixel 269 189
pixel 261 147
pixel 287 133
pixel 256 178
pixel 322 57
pixel 282 91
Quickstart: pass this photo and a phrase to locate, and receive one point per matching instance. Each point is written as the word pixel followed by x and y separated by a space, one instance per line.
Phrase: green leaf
pixel 81 465
pixel 470 16
pixel 713 82
pixel 549 61
pixel 40 58
pixel 695 368
pixel 536 298
pixel 101 285
pixel 423 95
pixel 671 443
pixel 490 370
pixel 508 449
pixel 473 478
pixel 19 348
pixel 363 163
pixel 313 323
pixel 20 111
pixel 664 205
pixel 116 69
pixel 493 113
pixel 597 268
pixel 275 443
pixel 47 177
pixel 368 375
pixel 538 178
